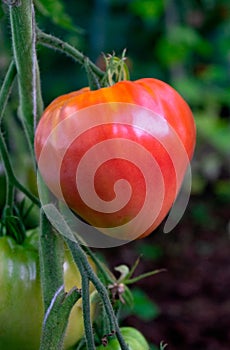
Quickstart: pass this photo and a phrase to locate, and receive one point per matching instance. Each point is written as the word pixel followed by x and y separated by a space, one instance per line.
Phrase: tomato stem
pixel 105 276
pixel 10 177
pixel 86 311
pixel 81 259
pixel 6 87
pixel 12 180
pixel 4 95
pixel 22 21
pixel 57 44
pixel 56 318
pixel 51 260
pixel 93 80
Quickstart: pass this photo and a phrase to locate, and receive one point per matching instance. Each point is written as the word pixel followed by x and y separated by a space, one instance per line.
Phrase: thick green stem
pixel 23 40
pixel 51 260
pixel 86 311
pixel 56 319
pixel 83 264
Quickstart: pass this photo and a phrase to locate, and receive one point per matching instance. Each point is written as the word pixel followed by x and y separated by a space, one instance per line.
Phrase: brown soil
pixel 194 293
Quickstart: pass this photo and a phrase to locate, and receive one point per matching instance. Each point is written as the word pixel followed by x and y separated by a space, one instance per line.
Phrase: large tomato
pixel 133 338
pixel 21 306
pixel 117 156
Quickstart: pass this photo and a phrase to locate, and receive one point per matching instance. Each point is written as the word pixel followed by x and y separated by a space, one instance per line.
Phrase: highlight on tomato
pixel 117 156
pixel 21 305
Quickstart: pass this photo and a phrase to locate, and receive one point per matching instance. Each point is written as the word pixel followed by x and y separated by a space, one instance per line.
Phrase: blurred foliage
pixel 55 11
pixel 143 307
pixel 185 43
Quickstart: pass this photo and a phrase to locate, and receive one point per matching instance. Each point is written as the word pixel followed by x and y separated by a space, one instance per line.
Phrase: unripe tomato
pixel 21 306
pixel 133 338
pixel 117 156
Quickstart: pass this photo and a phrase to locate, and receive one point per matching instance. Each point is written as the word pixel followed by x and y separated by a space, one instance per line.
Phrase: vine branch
pixel 6 87
pixel 10 176
pixel 56 43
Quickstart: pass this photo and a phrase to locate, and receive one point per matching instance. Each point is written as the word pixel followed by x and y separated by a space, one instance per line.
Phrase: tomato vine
pixel 25 38
pixel 55 234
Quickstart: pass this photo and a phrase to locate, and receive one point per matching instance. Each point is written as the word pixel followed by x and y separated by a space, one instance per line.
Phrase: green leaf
pixel 1 11
pixel 180 43
pixel 144 275
pixel 56 12
pixel 124 271
pixel 128 297
pixel 163 345
pixel 147 9
pixel 215 131
pixel 144 307
pixel 150 251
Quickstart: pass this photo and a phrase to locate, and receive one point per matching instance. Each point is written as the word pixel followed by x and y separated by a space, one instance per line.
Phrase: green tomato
pixel 134 339
pixel 21 306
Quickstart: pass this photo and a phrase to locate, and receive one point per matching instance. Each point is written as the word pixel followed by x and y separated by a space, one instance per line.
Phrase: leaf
pixel 144 275
pixel 134 267
pixel 150 251
pixel 1 11
pixel 128 297
pixel 163 345
pixel 215 131
pixel 124 271
pixel 56 12
pixel 147 9
pixel 144 307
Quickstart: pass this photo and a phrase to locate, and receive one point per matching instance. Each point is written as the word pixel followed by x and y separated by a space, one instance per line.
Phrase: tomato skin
pixel 21 307
pixel 134 339
pixel 151 94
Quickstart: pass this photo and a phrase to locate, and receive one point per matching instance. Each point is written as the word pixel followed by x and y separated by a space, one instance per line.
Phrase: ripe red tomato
pixel 117 156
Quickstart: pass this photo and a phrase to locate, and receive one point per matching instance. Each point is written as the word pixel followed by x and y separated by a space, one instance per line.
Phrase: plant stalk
pixel 22 21
pixel 6 87
pixel 57 44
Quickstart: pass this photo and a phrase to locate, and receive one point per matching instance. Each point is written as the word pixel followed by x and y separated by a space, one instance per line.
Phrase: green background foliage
pixel 185 43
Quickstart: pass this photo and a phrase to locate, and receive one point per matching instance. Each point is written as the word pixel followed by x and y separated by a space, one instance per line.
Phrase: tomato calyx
pixel 120 292
pixel 126 273
pixel 116 68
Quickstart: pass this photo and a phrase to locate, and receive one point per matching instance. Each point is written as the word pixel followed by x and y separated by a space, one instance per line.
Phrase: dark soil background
pixel 193 294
